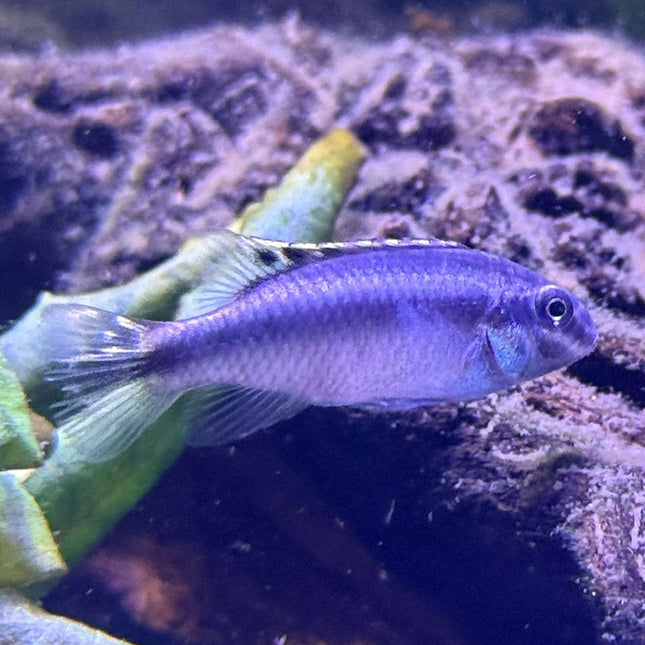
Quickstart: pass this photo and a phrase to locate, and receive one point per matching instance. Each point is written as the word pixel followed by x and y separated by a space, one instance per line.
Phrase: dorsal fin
pixel 238 262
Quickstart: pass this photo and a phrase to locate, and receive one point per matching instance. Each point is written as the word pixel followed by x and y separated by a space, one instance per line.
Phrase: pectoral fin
pixel 510 348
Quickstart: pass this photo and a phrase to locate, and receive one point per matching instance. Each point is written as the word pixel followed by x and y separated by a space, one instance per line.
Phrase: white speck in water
pixel 390 512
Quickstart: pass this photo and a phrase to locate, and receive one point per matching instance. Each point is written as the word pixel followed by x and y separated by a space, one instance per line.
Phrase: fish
pixel 276 327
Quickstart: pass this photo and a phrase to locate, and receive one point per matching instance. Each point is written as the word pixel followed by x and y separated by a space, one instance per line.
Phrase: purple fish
pixel 277 327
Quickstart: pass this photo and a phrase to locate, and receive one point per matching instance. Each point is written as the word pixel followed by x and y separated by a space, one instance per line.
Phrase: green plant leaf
pixel 27 546
pixel 303 207
pixel 18 445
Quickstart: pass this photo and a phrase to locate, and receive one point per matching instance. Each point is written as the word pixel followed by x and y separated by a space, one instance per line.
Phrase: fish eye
pixel 553 306
pixel 556 308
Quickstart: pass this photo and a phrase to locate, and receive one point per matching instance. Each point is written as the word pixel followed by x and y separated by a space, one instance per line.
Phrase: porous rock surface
pixel 530 146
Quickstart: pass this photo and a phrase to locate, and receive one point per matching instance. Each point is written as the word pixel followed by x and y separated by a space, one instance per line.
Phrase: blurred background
pixel 26 24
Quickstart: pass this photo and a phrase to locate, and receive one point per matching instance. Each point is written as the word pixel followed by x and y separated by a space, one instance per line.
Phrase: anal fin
pixel 222 413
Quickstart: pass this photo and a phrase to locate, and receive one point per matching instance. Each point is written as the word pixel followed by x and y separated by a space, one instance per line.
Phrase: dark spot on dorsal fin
pixel 330 251
pixel 295 254
pixel 268 257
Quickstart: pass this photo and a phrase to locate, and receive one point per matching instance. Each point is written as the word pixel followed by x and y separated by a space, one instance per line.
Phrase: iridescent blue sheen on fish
pixel 278 327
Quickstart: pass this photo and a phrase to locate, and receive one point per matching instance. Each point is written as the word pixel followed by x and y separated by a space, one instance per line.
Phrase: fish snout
pixel 584 331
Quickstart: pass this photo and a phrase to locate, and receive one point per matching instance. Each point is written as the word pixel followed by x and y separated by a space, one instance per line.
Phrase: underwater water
pixel 27 23
pixel 512 127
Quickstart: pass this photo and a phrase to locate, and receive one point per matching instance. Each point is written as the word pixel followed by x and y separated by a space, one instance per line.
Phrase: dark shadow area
pixel 605 374
pixel 32 253
pixel 332 527
pixel 27 264
pixel 95 22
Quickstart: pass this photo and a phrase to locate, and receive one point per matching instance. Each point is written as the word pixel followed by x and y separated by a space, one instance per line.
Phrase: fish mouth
pixel 586 334
pixel 592 338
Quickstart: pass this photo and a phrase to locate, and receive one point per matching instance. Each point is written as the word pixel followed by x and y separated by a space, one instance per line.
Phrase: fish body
pixel 278 327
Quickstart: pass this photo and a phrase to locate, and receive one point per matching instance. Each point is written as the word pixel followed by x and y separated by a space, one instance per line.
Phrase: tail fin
pixel 98 363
